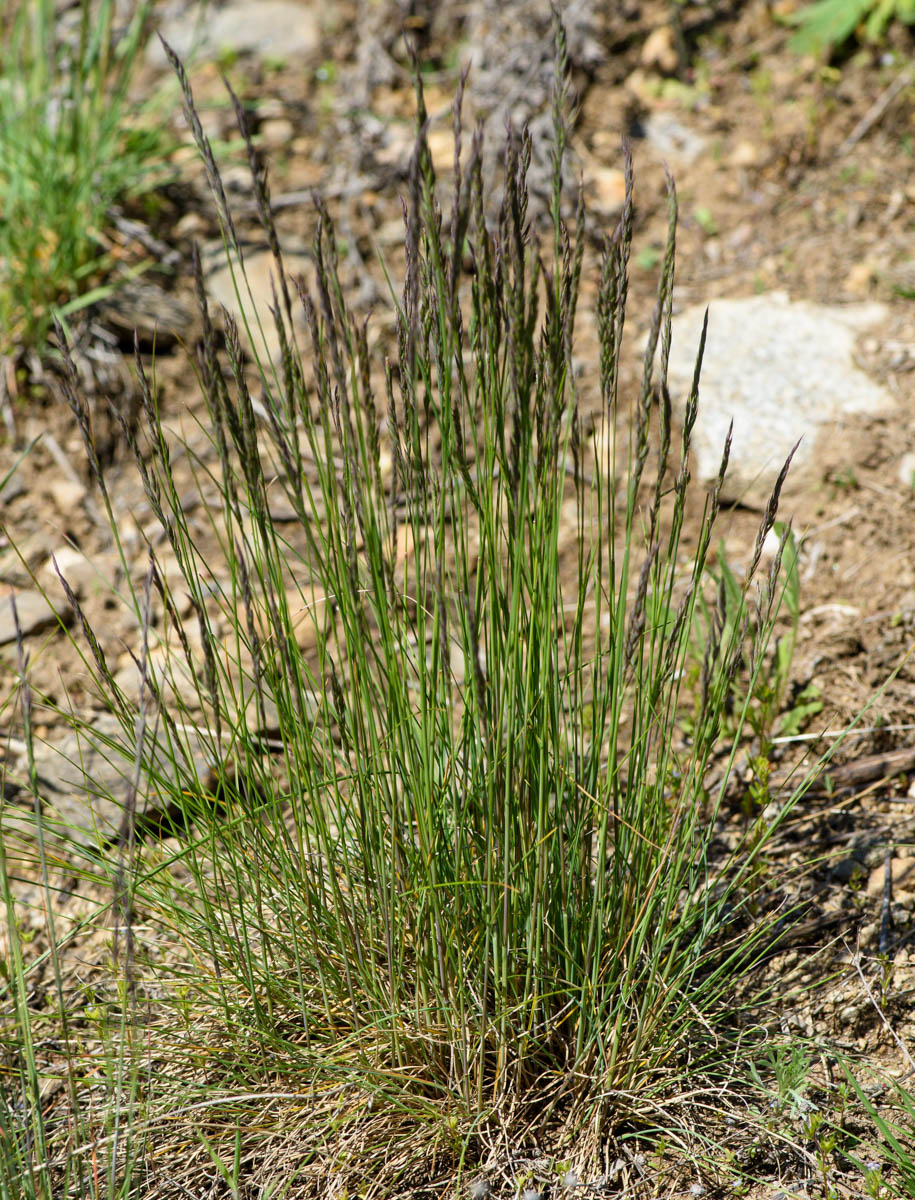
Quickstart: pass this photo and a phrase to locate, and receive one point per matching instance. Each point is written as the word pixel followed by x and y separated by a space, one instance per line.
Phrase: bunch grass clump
pixel 71 145
pixel 458 891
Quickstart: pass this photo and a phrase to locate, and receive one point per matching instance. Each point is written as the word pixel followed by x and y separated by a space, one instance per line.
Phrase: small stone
pixel 457 662
pixel 659 51
pixel 902 873
pixel 741 236
pixel 398 147
pixel 744 154
pixel 859 279
pixel 191 225
pixel 391 233
pixel 671 139
pixel 441 149
pixel 385 464
pixel 237 179
pixel 310 614
pixel 867 934
pixel 277 132
pixel 34 612
pixel 609 187
pixel 644 87
pixel 906 472
pixel 67 494
pixel 12 489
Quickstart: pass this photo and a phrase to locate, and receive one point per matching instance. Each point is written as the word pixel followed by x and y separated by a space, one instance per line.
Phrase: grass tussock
pixel 72 145
pixel 458 892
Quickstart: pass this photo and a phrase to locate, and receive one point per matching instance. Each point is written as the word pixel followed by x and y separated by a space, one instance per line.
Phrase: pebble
pixel 608 185
pixel 441 149
pixel 67 494
pixel 35 614
pixel 859 278
pixel 744 154
pixel 659 51
pixel 257 297
pixel 310 615
pixel 906 472
pixel 671 139
pixel 12 489
pixel 902 871
pixel 277 132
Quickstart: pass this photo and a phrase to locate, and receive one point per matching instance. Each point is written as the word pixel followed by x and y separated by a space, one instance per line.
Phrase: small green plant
pixel 844 479
pixel 648 258
pixel 824 1139
pixel 706 221
pixel 71 145
pixel 827 24
pixel 891 1111
pixel 783 1073
pixel 731 616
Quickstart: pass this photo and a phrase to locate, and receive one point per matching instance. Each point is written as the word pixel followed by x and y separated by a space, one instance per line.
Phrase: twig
pixel 292 199
pixel 904 1050
pixel 838 733
pixel 166 255
pixel 886 915
pixel 877 109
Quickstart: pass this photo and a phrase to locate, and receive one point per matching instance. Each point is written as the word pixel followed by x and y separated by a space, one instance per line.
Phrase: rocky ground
pixel 796 183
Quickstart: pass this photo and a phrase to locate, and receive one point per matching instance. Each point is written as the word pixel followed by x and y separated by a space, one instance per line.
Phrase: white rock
pixel 609 188
pixel 781 370
pixel 906 471
pixel 280 29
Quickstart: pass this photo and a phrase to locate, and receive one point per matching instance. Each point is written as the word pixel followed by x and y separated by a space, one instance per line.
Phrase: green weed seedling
pixel 732 619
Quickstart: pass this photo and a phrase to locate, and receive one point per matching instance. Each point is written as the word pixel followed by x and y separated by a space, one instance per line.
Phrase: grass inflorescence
pixel 459 890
